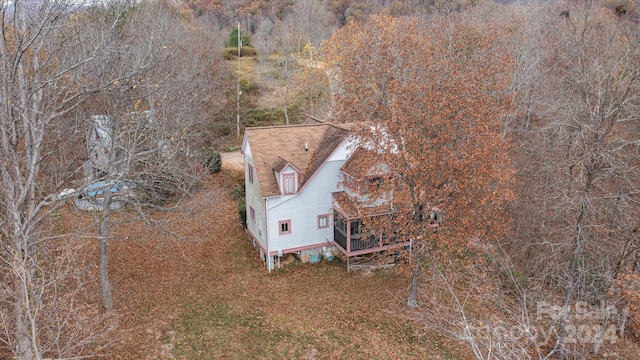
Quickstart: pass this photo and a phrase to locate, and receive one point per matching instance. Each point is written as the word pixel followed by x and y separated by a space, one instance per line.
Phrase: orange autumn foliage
pixel 433 95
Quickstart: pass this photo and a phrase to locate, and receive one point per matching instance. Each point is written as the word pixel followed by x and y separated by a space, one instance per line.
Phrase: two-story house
pixel 298 195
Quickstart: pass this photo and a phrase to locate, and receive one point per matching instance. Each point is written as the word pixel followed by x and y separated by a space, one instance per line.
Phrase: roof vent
pixel 306 146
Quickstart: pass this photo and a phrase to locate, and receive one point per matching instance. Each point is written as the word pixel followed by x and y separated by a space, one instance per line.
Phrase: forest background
pixel 518 120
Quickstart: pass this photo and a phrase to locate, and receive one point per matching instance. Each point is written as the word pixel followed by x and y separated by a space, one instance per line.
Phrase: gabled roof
pixel 355 167
pixel 351 208
pixel 306 147
pixel 279 164
pixel 333 136
pixel 358 167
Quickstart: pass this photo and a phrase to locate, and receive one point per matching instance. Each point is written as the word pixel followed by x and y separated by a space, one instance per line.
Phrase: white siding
pixel 303 210
pixel 254 199
pixel 246 148
pixel 343 151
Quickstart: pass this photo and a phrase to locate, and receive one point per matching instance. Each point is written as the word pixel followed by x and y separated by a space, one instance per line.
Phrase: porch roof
pixel 361 164
pixel 349 207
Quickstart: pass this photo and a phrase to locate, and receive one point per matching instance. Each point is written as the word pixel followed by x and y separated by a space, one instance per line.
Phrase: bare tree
pixel 579 190
pixel 157 123
pixel 308 22
pixel 485 303
pixel 313 73
pixel 61 63
pixel 47 54
pixel 262 39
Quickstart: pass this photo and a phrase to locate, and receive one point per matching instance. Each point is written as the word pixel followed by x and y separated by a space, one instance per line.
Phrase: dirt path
pixel 232 160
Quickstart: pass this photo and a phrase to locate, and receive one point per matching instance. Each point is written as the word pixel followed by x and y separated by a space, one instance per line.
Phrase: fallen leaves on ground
pixel 195 288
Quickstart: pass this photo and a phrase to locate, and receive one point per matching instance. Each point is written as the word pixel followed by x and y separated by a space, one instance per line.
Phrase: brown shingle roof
pixel 350 206
pixel 360 164
pixel 279 164
pixel 275 146
pixel 354 167
pixel 332 137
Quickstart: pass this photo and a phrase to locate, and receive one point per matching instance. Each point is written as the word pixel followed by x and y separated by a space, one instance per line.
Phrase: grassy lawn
pixel 263 84
pixel 208 296
pixel 308 311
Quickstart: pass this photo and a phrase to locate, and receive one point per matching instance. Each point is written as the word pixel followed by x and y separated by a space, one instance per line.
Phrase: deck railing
pixel 362 243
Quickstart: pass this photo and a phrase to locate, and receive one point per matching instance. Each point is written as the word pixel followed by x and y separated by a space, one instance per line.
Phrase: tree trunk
pixel 412 302
pixel 285 103
pixel 24 347
pixel 286 73
pixel 26 295
pixel 107 299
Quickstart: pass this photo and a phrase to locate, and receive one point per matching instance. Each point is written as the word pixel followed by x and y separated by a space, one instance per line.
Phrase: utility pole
pixel 238 92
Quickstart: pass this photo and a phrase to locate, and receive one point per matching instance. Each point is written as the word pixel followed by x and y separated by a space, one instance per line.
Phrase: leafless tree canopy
pixel 62 64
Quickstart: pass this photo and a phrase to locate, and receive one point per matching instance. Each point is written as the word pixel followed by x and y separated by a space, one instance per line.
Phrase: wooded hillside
pixel 519 121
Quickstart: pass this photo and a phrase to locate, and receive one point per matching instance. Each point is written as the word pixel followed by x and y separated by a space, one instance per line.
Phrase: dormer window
pixel 289 184
pixel 364 173
pixel 286 175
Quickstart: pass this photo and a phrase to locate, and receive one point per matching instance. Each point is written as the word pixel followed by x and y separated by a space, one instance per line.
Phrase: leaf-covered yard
pixel 208 296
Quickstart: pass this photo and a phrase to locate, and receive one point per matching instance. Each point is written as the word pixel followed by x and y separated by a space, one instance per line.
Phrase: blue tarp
pixel 98 188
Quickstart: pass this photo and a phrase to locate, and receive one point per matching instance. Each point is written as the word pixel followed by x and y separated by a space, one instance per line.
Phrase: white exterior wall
pixel 341 154
pixel 343 151
pixel 303 208
pixel 254 199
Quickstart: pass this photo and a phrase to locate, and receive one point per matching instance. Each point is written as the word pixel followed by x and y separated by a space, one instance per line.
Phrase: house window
pixel 323 221
pixel 250 173
pixel 252 213
pixel 374 182
pixel 284 227
pixel 289 183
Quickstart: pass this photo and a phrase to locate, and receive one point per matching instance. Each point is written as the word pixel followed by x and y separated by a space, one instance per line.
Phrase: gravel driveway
pixel 233 160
